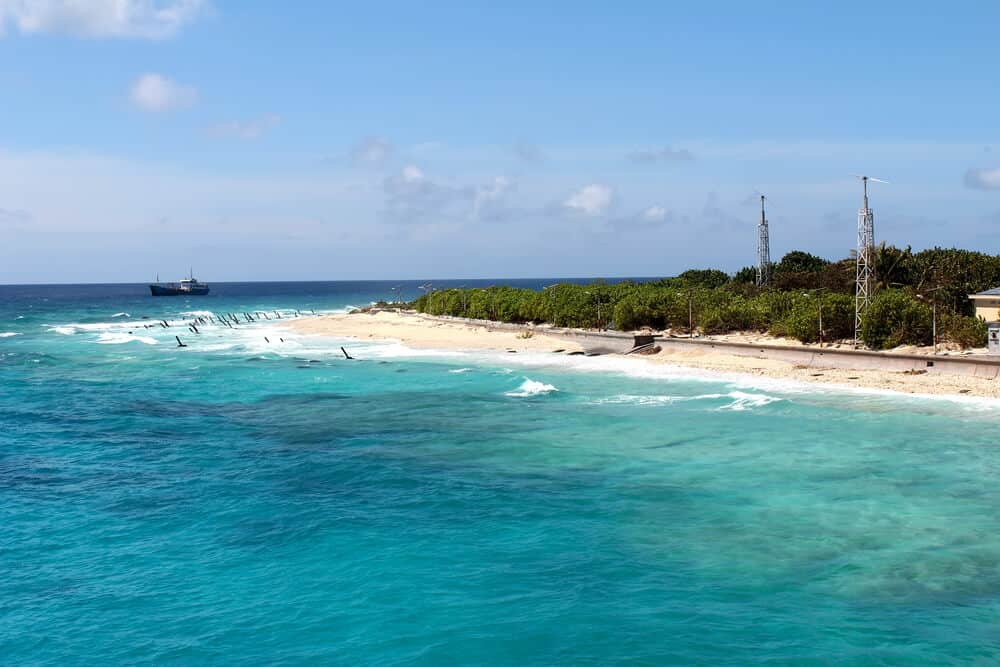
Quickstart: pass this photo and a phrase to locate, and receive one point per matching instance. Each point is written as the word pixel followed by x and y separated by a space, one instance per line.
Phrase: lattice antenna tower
pixel 864 270
pixel 763 249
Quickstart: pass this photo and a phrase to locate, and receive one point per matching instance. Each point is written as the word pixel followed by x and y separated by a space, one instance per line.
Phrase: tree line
pixel 802 287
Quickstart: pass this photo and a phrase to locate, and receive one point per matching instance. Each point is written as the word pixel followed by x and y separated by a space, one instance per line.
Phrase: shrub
pixel 703 278
pixel 964 331
pixel 802 320
pixel 896 318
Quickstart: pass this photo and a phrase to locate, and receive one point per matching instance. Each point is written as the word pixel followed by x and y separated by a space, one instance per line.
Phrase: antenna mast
pixel 763 249
pixel 864 276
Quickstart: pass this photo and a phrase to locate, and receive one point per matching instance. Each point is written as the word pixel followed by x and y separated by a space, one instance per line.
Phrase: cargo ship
pixel 186 287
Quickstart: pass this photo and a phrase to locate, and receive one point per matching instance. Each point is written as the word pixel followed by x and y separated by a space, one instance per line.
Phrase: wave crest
pixel 531 388
pixel 120 338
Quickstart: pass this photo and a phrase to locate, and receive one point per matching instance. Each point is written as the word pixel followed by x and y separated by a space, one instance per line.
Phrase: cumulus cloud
pixel 654 214
pixel 665 154
pixel 371 151
pixel 591 200
pixel 413 197
pixel 246 130
pixel 156 93
pixel 649 218
pixel 143 19
pixel 490 201
pixel 983 179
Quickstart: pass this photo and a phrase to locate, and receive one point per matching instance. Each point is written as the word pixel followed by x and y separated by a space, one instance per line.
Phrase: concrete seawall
pixel 609 342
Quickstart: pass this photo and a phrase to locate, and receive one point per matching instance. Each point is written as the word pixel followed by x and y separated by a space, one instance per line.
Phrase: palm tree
pixel 892 266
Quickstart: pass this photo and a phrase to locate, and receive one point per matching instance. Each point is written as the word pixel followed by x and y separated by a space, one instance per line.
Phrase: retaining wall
pixel 607 342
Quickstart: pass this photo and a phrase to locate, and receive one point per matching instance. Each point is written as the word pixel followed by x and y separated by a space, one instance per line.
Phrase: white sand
pixel 420 331
pixel 424 332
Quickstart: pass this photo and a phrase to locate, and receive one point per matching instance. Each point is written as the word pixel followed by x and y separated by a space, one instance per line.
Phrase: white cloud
pixel 412 197
pixel 411 174
pixel 983 179
pixel 145 19
pixel 489 203
pixel 156 93
pixel 654 214
pixel 591 200
pixel 371 151
pixel 246 130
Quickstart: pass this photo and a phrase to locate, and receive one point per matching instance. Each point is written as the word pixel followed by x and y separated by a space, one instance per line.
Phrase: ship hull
pixel 163 290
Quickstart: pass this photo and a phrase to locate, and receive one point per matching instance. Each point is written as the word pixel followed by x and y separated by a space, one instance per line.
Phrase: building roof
pixel 990 292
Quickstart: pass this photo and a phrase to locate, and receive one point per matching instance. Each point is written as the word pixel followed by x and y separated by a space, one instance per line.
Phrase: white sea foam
pixel 531 388
pixel 461 370
pixel 740 400
pixel 121 315
pixel 197 313
pixel 743 400
pixel 639 399
pixel 120 338
pixel 8 334
pixel 64 330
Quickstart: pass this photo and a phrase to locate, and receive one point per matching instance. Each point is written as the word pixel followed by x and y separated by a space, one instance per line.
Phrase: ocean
pixel 243 500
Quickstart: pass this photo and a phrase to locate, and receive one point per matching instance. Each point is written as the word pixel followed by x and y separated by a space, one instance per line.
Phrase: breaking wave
pixel 120 338
pixel 531 388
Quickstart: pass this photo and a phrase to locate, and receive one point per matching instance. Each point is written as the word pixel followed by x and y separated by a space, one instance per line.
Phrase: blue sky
pixel 316 140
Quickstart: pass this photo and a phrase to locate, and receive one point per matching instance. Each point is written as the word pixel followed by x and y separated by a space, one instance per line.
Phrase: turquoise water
pixel 245 501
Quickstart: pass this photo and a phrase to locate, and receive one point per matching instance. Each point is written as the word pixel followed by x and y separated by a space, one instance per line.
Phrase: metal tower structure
pixel 763 249
pixel 864 275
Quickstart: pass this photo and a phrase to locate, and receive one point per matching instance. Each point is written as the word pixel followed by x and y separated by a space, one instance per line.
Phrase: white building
pixel 987 304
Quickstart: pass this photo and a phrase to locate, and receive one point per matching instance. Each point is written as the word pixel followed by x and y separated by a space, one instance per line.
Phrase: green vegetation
pixel 710 301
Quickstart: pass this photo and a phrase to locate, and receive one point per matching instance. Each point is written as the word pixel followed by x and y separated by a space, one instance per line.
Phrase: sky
pixel 258 140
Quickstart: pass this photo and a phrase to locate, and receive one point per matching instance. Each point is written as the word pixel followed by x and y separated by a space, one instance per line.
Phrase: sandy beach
pixel 425 332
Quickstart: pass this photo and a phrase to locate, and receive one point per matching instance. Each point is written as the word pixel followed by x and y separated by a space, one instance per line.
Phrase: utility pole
pixel 690 312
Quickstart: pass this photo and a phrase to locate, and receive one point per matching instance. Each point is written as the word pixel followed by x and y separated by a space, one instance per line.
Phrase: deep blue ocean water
pixel 240 500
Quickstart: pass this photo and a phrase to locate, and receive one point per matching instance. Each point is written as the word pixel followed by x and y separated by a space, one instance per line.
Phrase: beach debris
pixel 561 349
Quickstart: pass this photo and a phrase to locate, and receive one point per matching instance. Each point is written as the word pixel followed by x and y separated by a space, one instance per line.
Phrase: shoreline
pixel 427 332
